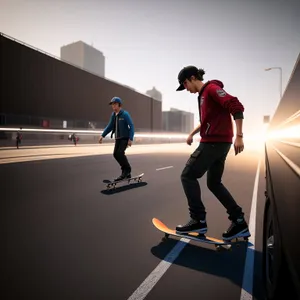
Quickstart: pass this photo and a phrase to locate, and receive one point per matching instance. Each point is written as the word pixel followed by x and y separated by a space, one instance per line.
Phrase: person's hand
pixel 189 140
pixel 238 145
pixel 100 139
pixel 129 143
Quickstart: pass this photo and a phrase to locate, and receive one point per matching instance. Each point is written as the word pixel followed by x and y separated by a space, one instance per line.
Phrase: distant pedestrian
pixel 19 138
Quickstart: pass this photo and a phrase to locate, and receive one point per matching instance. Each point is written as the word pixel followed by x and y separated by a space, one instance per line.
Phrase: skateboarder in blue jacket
pixel 121 125
pixel 215 109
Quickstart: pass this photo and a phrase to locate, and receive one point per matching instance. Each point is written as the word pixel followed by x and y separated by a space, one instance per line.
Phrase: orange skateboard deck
pixel 192 235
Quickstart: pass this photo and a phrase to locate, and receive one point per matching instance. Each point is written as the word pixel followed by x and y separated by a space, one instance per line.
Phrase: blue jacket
pixel 125 128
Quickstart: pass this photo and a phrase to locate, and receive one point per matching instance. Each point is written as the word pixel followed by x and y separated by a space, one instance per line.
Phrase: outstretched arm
pixel 196 130
pixel 108 128
pixel 239 143
pixel 189 139
pixel 231 103
pixel 236 109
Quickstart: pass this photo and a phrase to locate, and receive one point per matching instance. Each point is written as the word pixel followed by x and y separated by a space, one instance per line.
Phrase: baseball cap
pixel 185 73
pixel 115 100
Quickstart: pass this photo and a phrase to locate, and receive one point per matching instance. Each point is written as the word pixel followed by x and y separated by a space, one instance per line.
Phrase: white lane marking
pixel 142 291
pixel 169 167
pixel 247 286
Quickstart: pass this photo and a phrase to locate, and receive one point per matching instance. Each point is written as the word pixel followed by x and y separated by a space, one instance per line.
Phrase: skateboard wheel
pixel 218 248
pixel 165 237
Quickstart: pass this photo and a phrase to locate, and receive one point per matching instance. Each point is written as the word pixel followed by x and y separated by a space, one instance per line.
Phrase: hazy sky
pixel 146 43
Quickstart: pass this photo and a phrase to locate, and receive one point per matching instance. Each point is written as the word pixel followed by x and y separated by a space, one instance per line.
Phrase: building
pixel 85 57
pixel 266 119
pixel 176 120
pixel 155 94
pixel 42 91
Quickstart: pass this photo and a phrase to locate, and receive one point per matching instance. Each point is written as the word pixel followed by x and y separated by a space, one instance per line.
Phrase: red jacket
pixel 215 109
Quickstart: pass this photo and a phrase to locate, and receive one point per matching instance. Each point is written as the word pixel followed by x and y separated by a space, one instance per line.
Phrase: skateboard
pixel 219 244
pixel 112 184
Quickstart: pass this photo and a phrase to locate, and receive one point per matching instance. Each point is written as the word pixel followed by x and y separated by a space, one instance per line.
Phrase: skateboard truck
pixel 112 184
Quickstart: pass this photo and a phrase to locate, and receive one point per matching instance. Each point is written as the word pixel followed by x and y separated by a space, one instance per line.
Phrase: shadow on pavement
pixel 226 264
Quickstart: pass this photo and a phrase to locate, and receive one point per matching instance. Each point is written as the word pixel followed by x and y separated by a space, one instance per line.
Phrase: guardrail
pixel 93 132
pixel 37 136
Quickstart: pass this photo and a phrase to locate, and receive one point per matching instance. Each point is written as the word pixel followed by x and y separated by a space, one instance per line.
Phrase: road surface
pixel 67 238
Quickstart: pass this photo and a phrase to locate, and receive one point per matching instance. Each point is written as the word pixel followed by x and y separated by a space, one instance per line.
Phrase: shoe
pixel 238 228
pixel 127 174
pixel 193 226
pixel 124 175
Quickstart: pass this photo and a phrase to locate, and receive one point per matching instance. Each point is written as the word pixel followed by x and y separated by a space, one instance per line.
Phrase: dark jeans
pixel 119 154
pixel 210 158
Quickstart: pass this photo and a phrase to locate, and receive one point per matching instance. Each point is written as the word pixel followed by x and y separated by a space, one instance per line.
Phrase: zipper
pixel 199 108
pixel 199 100
pixel 116 125
pixel 207 129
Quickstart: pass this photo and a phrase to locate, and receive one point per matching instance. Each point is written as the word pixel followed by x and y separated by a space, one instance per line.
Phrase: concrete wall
pixel 37 85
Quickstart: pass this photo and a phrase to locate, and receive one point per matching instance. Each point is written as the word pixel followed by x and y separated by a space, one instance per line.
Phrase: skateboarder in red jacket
pixel 215 109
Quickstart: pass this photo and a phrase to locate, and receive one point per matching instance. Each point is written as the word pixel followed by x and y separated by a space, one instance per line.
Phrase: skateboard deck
pixel 219 244
pixel 111 184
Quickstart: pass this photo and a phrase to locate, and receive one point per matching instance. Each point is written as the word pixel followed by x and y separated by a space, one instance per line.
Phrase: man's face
pixel 190 85
pixel 115 107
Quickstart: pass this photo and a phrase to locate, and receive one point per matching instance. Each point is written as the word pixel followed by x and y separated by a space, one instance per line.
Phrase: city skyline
pixel 146 44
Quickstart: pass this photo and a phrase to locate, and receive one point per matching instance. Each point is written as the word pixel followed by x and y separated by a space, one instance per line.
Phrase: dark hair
pixel 200 74
pixel 187 73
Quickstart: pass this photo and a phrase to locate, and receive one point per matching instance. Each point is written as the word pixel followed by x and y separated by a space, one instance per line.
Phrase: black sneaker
pixel 127 174
pixel 193 226
pixel 238 228
pixel 123 176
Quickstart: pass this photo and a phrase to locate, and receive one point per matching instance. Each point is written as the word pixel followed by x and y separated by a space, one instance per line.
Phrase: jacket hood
pixel 217 82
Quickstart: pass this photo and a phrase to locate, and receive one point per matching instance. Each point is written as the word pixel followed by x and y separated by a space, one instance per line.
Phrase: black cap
pixel 184 74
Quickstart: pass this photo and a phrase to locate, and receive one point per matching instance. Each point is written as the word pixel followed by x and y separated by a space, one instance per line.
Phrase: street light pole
pixel 280 82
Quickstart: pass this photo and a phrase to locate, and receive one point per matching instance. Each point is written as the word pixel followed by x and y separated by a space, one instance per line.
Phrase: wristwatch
pixel 240 134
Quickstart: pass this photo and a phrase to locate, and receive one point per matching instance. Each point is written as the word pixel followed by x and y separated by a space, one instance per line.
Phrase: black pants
pixel 18 142
pixel 119 154
pixel 210 158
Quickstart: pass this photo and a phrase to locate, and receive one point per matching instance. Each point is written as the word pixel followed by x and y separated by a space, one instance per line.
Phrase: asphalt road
pixel 67 238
